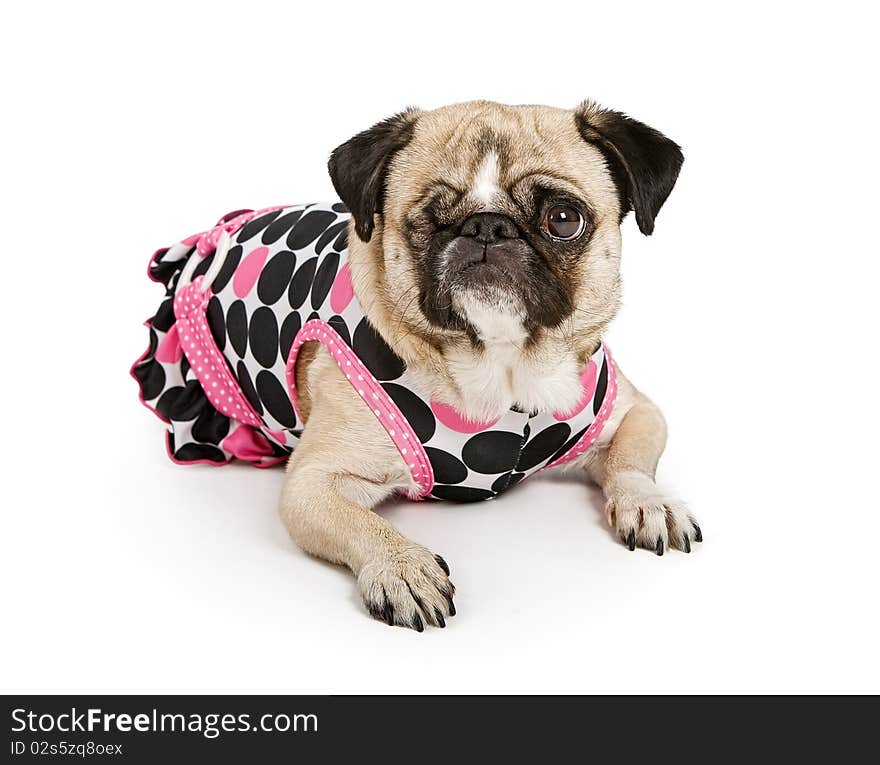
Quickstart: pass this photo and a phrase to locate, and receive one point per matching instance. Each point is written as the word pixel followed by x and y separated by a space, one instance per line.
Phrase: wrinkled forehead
pixel 484 150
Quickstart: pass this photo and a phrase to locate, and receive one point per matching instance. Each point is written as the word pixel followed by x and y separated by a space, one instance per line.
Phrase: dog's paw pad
pixel 410 588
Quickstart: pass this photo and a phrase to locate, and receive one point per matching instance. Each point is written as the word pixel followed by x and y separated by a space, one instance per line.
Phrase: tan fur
pixel 346 463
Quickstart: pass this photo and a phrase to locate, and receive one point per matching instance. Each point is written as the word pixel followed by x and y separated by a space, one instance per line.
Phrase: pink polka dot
pixel 455 421
pixel 588 381
pixel 342 292
pixel 248 270
pixel 170 350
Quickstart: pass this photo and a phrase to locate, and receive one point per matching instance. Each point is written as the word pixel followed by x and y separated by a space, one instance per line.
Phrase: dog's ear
pixel 644 162
pixel 359 167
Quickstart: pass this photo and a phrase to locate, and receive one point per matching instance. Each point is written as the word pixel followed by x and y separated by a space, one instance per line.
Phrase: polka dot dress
pixel 220 366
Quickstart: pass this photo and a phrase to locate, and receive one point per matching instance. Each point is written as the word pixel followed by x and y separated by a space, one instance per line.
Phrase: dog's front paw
pixel 645 517
pixel 409 587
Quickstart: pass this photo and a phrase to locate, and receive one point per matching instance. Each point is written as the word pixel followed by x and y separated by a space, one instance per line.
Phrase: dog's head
pixel 485 219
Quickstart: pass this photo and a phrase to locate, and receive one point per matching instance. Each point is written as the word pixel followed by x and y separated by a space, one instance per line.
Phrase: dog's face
pixel 486 219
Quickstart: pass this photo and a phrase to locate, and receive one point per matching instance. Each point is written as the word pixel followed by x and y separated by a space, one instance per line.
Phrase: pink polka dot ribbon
pixel 373 395
pixel 206 360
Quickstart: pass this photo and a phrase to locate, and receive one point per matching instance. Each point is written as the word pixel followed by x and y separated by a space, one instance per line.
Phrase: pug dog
pixel 484 247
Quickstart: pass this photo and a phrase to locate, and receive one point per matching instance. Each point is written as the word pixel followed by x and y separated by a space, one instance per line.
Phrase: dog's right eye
pixel 563 223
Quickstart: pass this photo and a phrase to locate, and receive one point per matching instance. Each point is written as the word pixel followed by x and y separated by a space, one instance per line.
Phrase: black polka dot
pixel 339 207
pixel 461 493
pixel 543 446
pixel 280 227
pixel 263 336
pixel 151 377
pixel 416 411
pixel 384 363
pixel 237 327
pixel 601 387
pixel 202 268
pixel 233 257
pixel 184 367
pixel 247 387
pixel 447 469
pixel 199 453
pixel 216 322
pixel 182 403
pixel 329 235
pixel 309 228
pixel 275 278
pixel 210 426
pixel 276 399
pixel 568 445
pixel 164 318
pixel 313 315
pixel 324 277
pixel 302 283
pixel 342 240
pixel 278 450
pixel 167 399
pixel 338 323
pixel 506 481
pixel 289 328
pixel 494 451
pixel 162 270
pixel 153 344
pixel 255 226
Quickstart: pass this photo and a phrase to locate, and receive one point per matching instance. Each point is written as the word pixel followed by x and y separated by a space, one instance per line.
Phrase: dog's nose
pixel 488 228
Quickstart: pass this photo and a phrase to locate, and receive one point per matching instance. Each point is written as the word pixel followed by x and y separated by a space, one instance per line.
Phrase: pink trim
pixel 374 395
pixel 206 241
pixel 592 433
pixel 205 359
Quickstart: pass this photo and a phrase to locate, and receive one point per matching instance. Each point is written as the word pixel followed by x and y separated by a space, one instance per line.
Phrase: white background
pixel 750 317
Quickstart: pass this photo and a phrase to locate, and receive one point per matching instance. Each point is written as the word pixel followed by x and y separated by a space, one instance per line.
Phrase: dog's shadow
pixel 395 509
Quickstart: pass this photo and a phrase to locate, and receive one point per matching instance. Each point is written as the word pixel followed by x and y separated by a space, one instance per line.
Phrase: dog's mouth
pixel 470 264
pixel 465 276
pixel 479 274
pixel 465 279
